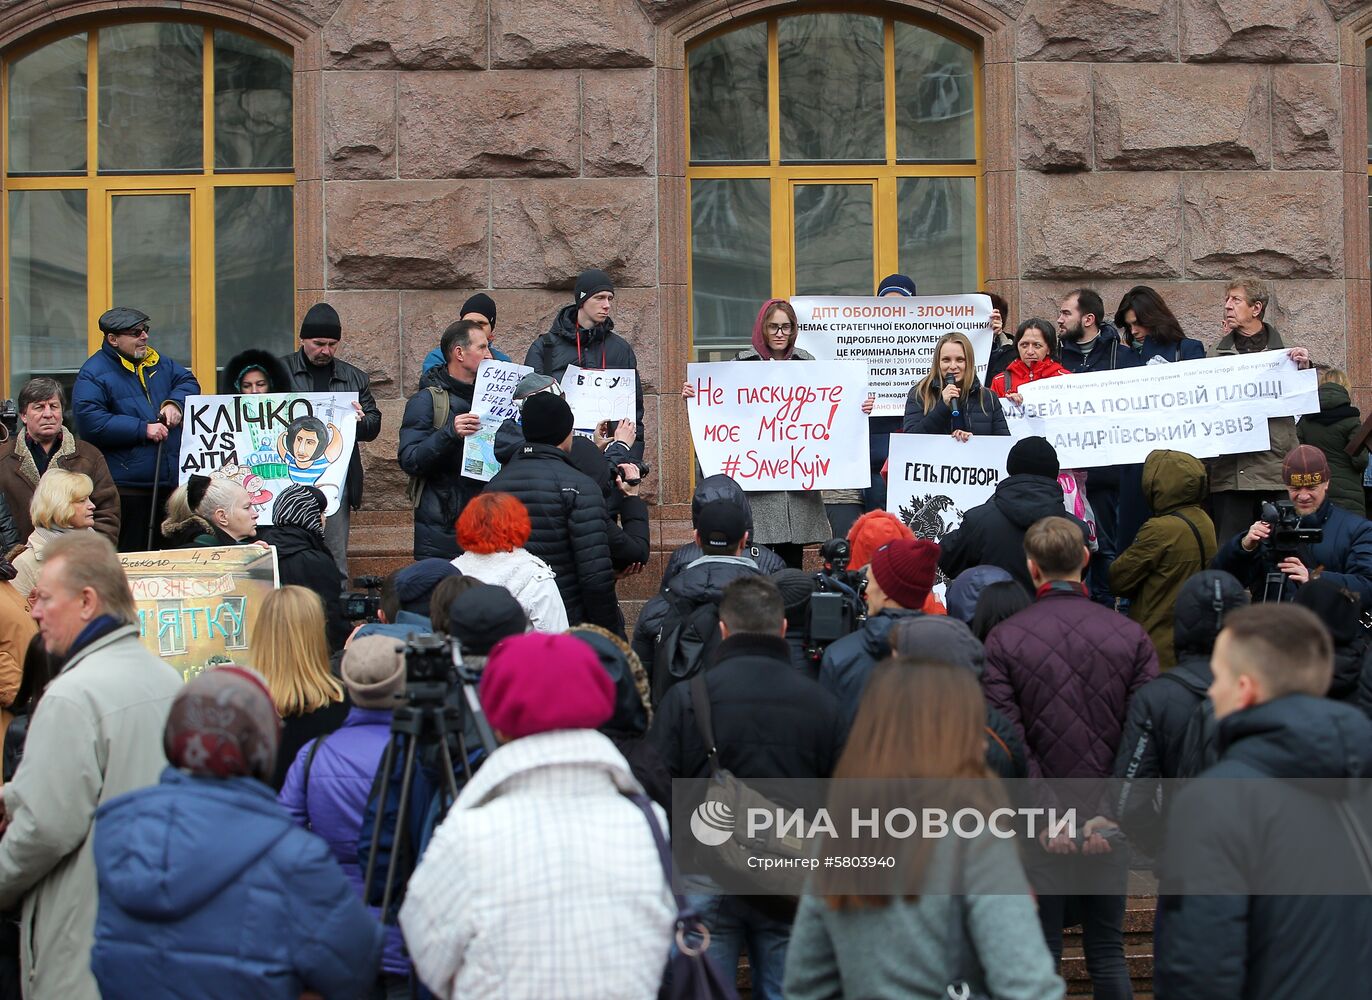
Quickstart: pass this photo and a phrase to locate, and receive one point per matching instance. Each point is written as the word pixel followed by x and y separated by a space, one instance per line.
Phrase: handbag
pixel 690 974
pixel 966 968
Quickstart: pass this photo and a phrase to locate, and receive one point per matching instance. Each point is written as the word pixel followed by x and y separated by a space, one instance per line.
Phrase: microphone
pixel 947 381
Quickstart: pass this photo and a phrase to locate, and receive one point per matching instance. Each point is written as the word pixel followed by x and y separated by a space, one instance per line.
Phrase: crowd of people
pixel 1148 624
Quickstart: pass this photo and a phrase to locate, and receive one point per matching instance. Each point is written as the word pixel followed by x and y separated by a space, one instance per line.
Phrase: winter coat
pixel 1219 832
pixel 627 524
pixel 713 488
pixel 96 734
pixel 328 796
pixel 434 455
pixel 1017 373
pixel 993 533
pixel 1257 470
pixel 17 630
pixel 1107 353
pixel 1344 555
pixel 701 582
pixel 114 400
pixel 303 560
pixel 527 577
pixel 543 879
pixel 1063 671
pixel 278 378
pixel 1330 430
pixel 206 881
pixel 597 348
pixel 345 378
pixel 981 413
pixel 1166 552
pixel 787 517
pixel 183 534
pixel 1186 349
pixel 568 515
pixel 19 478
pixel 848 662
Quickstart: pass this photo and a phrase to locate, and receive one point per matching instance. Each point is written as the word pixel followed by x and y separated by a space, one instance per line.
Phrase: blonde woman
pixel 61 503
pixel 290 650
pixel 950 399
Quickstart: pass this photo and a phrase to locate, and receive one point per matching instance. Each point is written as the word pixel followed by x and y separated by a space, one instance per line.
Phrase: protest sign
pixel 1207 407
pixel 933 480
pixel 270 440
pixel 894 335
pixel 197 607
pixel 779 426
pixel 493 402
pixel 599 394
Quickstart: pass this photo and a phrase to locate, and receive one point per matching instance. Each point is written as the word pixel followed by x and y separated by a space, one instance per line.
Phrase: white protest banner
pixel 934 479
pixel 599 394
pixel 493 402
pixel 779 425
pixel 1207 407
pixel 270 440
pixel 894 335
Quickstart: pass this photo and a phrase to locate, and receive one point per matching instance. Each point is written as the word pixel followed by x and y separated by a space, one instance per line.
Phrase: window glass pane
pixel 834 252
pixel 832 92
pixel 47 293
pixel 252 104
pixel 150 243
pixel 934 82
pixel 254 273
pixel 728 78
pixel 731 259
pixel 47 130
pixel 151 92
pixel 937 219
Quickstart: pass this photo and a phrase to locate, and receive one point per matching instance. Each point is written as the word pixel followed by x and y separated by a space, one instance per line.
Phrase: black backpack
pixel 686 642
pixel 1200 741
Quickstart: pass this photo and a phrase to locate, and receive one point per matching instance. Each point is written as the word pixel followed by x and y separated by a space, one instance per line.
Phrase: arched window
pixel 147 164
pixel 826 151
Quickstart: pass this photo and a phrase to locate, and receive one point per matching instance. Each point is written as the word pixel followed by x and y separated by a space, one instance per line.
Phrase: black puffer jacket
pixel 303 560
pixel 701 581
pixel 993 534
pixel 848 662
pixel 979 413
pixel 628 526
pixel 568 515
pixel 597 348
pixel 708 490
pixel 435 456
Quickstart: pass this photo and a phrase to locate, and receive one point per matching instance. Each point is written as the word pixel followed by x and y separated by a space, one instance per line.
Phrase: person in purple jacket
pixel 327 786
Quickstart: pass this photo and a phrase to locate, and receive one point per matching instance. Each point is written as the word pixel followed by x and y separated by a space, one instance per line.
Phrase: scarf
pixel 300 506
pixel 760 344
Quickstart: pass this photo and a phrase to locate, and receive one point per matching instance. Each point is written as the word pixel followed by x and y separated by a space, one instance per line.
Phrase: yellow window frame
pixel 101 189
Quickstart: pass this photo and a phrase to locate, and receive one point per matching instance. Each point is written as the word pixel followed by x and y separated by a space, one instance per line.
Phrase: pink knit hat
pixel 536 683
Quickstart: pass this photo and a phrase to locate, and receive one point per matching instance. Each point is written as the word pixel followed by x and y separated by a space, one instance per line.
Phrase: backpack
pixel 1199 742
pixel 442 407
pixel 686 642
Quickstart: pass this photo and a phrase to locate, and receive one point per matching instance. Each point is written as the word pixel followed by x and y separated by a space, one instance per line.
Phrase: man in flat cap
pixel 128 402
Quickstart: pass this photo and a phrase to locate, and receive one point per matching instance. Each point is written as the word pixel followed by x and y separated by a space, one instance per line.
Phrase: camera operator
pixel 1308 538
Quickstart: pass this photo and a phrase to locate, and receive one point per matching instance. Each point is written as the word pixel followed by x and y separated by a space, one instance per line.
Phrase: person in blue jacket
pixel 1146 324
pixel 479 309
pixel 128 402
pixel 208 889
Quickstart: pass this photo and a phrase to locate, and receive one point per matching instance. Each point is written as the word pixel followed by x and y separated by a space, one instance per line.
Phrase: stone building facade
pixel 445 147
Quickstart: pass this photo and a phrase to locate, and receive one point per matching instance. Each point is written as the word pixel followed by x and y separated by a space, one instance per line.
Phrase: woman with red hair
pixel 491 534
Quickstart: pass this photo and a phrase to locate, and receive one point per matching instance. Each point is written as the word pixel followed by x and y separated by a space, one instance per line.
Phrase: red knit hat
pixel 535 683
pixel 870 532
pixel 905 569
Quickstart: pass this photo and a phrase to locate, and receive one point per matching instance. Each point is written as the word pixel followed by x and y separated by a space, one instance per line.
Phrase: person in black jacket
pixel 583 334
pixel 708 490
pixel 1258 877
pixel 952 384
pixel 431 448
pixel 314 368
pixel 567 511
pixel 1341 612
pixel 302 558
pixel 769 722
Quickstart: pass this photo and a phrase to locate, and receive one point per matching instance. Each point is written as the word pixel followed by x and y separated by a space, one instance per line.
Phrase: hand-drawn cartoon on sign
pixel 268 441
pixel 493 402
pixel 781 426
pixel 197 607
pixel 597 395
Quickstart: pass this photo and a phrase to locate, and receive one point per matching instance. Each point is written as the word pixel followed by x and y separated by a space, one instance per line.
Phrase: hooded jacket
pixel 1255 470
pixel 702 581
pixel 599 347
pixel 1330 430
pixel 303 560
pixel 708 490
pixel 1166 551
pixel 278 378
pixel 435 456
pixel 993 533
pixel 1220 832
pixel 848 662
pixel 981 413
pixel 1017 373
pixel 208 881
pixel 346 378
pixel 1343 555
pixel 528 578
pixel 19 478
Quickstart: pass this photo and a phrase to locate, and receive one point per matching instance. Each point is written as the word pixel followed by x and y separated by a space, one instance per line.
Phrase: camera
pixel 1287 533
pixel 364 603
pixel 9 418
pixel 838 604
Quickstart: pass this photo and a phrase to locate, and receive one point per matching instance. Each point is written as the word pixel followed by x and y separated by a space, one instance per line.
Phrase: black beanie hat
pixel 590 282
pixel 547 419
pixel 321 323
pixel 482 616
pixel 479 303
pixel 1032 456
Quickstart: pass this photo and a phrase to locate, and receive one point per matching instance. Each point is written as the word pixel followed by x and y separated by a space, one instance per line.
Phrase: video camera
pixel 9 419
pixel 1287 533
pixel 838 604
pixel 364 603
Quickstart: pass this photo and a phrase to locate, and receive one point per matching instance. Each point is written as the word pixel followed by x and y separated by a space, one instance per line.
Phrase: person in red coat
pixel 1036 342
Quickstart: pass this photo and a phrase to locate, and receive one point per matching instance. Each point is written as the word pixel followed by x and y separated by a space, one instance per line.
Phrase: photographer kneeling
pixel 1303 538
